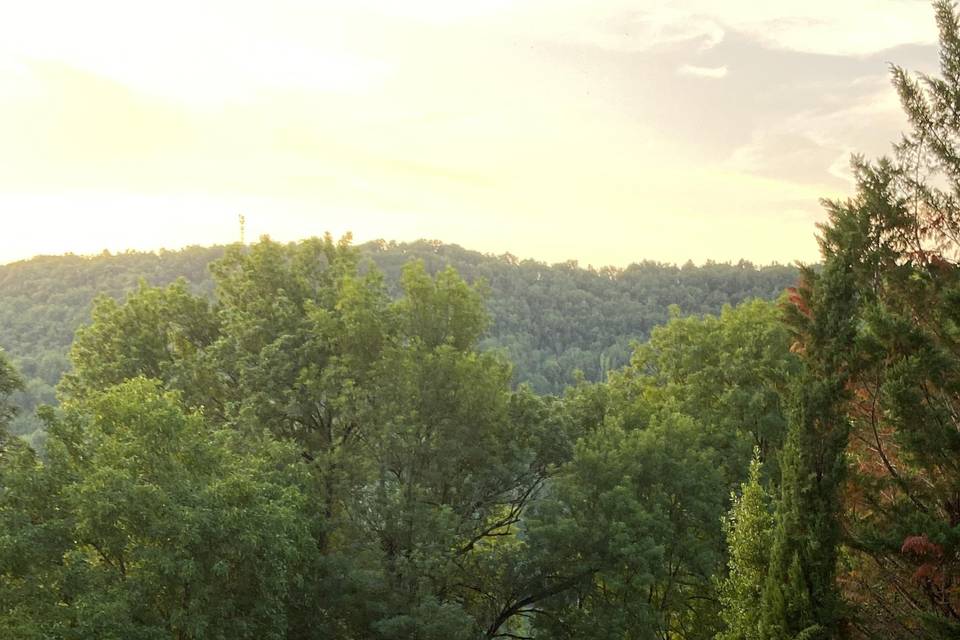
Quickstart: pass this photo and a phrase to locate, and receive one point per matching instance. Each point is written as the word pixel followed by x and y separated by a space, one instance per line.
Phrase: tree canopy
pixel 310 455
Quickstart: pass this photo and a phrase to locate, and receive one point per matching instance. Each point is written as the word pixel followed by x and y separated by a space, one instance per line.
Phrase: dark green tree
pixel 904 517
pixel 144 522
pixel 628 537
pixel 877 330
pixel 801 597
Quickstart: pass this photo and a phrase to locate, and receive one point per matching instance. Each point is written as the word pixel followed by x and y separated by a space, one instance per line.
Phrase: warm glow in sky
pixel 606 131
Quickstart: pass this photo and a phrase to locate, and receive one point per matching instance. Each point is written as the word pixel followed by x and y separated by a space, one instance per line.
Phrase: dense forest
pixel 308 455
pixel 549 321
pixel 310 446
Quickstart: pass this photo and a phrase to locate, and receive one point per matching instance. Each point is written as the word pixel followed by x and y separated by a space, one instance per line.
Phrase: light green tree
pixel 748 530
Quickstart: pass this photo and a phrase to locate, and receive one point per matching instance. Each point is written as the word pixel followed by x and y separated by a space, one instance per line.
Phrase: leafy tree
pixel 702 392
pixel 156 333
pixel 629 534
pixel 422 461
pixel 10 382
pixel 150 524
pixel 728 372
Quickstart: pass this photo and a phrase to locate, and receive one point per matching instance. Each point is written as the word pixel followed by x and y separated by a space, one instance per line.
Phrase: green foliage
pixel 549 320
pixel 628 536
pixel 632 524
pixel 10 382
pixel 144 522
pixel 313 454
pixel 801 595
pixel 748 530
pixel 727 372
pixel 156 333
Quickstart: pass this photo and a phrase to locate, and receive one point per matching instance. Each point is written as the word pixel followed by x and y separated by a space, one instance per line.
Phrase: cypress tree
pixel 801 598
pixel 748 529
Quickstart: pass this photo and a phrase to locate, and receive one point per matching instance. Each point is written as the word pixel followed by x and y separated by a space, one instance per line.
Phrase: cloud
pixel 813 145
pixel 848 28
pixel 703 72
pixel 620 26
pixel 635 31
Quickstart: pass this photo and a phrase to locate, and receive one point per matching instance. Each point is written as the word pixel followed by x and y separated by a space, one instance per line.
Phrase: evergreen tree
pixel 801 598
pixel 903 510
pixel 748 530
pixel 877 331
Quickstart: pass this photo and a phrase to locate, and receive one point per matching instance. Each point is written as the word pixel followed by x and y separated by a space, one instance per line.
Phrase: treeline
pixel 549 321
pixel 43 301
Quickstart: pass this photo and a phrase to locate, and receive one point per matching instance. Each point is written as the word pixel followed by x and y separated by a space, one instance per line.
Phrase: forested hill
pixel 550 320
pixel 554 319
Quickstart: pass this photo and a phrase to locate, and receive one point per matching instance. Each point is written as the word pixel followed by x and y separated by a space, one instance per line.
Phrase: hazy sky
pixel 606 131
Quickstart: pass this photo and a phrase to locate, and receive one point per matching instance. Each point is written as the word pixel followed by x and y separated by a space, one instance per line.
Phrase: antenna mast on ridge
pixel 243 229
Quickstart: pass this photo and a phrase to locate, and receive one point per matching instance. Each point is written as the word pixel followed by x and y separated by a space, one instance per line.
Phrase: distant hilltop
pixel 549 320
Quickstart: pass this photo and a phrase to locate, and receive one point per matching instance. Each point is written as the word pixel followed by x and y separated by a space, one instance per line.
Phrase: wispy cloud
pixel 851 27
pixel 703 72
pixel 813 145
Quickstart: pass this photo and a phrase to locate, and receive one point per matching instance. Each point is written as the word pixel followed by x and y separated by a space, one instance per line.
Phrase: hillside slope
pixel 549 320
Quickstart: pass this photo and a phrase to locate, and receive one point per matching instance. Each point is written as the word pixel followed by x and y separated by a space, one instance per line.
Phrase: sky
pixel 605 131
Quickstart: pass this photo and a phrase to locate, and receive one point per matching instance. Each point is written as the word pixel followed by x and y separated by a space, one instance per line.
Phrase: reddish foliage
pixel 921 547
pixel 928 573
pixel 797 299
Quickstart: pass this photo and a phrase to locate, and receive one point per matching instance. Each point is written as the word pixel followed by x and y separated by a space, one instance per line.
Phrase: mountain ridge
pixel 549 320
